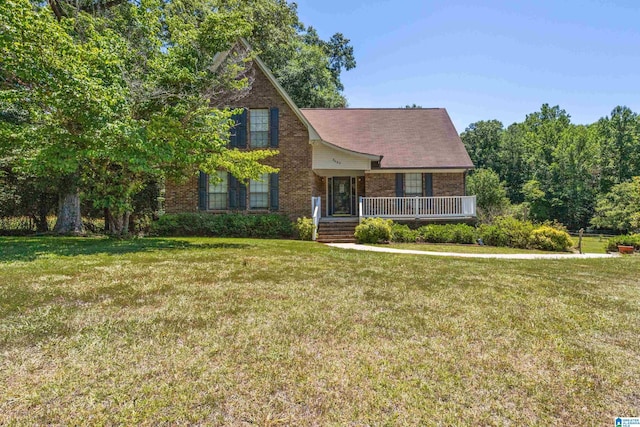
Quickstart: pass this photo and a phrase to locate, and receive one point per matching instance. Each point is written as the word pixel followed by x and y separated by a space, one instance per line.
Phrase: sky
pixel 488 59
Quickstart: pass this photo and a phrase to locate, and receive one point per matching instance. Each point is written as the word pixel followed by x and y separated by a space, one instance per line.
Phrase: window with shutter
pixel 218 191
pixel 259 127
pixel 412 184
pixel 259 192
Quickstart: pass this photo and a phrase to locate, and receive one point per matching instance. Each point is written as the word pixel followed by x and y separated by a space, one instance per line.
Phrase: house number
pixel 337 161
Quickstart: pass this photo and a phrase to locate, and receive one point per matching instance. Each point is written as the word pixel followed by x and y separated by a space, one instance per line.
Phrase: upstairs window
pixel 259 127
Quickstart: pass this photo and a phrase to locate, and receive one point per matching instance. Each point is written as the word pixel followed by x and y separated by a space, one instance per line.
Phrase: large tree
pixel 118 96
pixel 483 140
pixel 307 67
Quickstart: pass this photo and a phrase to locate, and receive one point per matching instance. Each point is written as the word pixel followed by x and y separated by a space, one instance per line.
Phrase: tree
pixel 307 67
pixel 512 167
pixel 620 146
pixel 120 96
pixel 483 142
pixel 619 209
pixel 490 193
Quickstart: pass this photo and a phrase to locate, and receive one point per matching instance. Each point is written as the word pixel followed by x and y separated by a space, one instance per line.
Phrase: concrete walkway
pixel 469 255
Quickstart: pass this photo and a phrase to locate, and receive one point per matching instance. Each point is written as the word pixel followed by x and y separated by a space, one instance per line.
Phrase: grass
pixel 589 245
pixel 242 332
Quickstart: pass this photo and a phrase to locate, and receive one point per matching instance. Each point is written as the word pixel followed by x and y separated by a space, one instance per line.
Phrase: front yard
pixel 241 332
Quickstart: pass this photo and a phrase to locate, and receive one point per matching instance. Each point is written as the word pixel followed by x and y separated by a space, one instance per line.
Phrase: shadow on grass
pixel 32 248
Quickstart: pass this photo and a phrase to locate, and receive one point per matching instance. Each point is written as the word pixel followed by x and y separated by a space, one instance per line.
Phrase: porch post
pixel 360 209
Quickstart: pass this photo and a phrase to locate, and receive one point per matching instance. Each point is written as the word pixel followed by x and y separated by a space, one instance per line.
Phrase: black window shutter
pixel 274 127
pixel 233 137
pixel 240 130
pixel 428 184
pixel 274 191
pixel 242 196
pixel 203 194
pixel 399 185
pixel 233 192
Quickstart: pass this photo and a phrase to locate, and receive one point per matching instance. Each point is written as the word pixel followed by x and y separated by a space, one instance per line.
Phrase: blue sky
pixel 488 59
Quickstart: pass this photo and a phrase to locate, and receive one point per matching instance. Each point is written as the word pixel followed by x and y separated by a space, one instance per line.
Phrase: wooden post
pixel 580 240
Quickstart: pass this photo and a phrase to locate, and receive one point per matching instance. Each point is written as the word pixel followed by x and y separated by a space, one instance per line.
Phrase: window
pixel 413 185
pixel 259 193
pixel 218 191
pixel 259 126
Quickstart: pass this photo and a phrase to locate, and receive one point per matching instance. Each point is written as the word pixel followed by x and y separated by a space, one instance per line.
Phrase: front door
pixel 340 190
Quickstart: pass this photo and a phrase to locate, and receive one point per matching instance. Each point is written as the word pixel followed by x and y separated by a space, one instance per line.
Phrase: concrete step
pixel 345 240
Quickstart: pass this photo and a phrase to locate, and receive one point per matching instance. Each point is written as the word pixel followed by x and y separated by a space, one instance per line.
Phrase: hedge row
pixel 223 225
pixel 504 231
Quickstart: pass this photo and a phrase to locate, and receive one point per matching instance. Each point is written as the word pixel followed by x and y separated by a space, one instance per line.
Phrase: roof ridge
pixel 374 108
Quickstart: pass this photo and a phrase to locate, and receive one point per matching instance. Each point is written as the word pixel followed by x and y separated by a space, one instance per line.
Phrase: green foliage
pixel 304 226
pixel 558 168
pixel 511 232
pixel 626 240
pixel 490 193
pixel 482 140
pixel 373 230
pixel 493 235
pixel 108 100
pixel 518 232
pixel 619 209
pixel 307 67
pixel 447 233
pixel 401 233
pixel 548 238
pixel 224 225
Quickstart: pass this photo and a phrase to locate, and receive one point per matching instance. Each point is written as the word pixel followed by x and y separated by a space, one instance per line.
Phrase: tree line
pixel 548 168
pixel 102 100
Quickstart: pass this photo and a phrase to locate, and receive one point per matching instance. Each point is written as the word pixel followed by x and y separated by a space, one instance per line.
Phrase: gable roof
pixel 405 138
pixel 219 59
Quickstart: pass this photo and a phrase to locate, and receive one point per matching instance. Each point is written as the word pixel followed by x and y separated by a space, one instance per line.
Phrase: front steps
pixel 337 231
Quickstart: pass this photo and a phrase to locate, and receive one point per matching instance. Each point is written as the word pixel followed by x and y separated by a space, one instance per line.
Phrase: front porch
pixel 434 208
pixel 404 208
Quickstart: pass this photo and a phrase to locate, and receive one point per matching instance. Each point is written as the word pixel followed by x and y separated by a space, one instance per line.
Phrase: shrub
pixel 463 233
pixel 549 238
pixel 434 234
pixel 628 240
pixel 374 230
pixel 518 232
pixel 304 226
pixel 493 235
pixel 223 225
pixel 448 233
pixel 403 234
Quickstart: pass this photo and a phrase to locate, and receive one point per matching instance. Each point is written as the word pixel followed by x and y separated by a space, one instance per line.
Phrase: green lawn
pixel 589 245
pixel 242 332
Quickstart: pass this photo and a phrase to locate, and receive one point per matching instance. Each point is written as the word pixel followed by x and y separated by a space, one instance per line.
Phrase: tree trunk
pixel 42 226
pixel 69 218
pixel 118 223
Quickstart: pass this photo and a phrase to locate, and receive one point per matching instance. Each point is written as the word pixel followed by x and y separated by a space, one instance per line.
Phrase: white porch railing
pixel 418 207
pixel 316 209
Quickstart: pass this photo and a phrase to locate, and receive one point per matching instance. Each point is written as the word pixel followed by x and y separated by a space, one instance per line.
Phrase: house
pixel 393 163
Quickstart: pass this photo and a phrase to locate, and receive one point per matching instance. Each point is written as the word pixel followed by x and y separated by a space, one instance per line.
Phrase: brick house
pixel 395 163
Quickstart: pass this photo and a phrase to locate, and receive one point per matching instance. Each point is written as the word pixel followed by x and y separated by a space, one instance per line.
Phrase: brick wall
pixel 294 161
pixel 384 184
pixel 380 185
pixel 448 184
pixel 181 197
